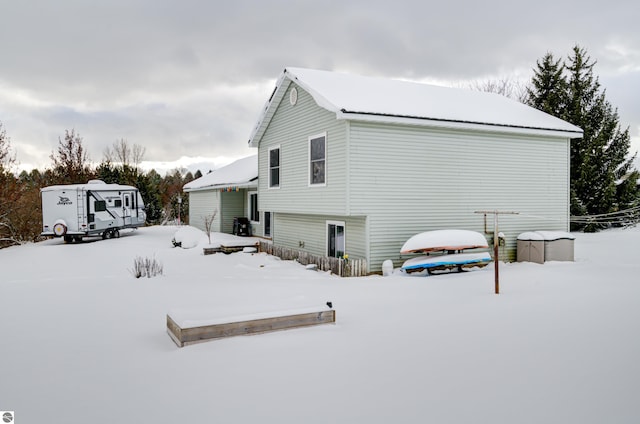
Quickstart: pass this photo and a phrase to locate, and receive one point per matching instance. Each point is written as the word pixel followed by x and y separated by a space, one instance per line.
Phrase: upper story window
pixel 274 167
pixel 317 159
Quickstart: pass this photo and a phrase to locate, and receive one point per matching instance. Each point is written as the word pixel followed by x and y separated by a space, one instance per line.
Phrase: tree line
pixel 603 181
pixel 20 205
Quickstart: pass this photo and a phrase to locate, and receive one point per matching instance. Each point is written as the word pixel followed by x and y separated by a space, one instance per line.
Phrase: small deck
pixel 228 249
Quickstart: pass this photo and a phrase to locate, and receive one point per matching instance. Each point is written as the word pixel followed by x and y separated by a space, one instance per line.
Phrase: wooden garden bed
pixel 185 332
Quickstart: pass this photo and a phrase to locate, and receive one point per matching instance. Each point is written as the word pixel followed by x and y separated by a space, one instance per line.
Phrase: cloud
pixel 189 78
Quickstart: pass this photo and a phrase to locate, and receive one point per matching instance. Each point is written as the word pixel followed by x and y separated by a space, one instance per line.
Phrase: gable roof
pixel 385 100
pixel 242 173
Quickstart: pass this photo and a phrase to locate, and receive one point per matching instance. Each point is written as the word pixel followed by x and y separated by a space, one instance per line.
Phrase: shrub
pixel 146 267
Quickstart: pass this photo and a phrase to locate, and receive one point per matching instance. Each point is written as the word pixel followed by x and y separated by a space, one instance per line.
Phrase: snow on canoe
pixel 437 240
pixel 456 260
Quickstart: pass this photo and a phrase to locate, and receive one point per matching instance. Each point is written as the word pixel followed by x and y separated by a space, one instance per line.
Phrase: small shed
pixel 544 246
pixel 530 247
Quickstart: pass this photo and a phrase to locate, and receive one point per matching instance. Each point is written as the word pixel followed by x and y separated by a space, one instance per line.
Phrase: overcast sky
pixel 187 79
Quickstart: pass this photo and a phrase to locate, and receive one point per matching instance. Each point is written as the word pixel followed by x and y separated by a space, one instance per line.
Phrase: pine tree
pixel 599 160
pixel 548 90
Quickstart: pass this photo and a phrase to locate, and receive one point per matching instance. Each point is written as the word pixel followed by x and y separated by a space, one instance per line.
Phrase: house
pixel 229 192
pixel 357 165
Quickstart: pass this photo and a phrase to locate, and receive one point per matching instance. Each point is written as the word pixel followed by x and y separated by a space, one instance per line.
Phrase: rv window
pixel 117 203
pixel 100 206
pixel 126 201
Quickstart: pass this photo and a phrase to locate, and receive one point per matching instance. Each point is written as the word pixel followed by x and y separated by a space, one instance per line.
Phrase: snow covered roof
pixel 387 100
pixel 242 173
pixel 94 185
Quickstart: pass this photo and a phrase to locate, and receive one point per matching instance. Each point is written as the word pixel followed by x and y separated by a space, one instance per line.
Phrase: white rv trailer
pixel 92 209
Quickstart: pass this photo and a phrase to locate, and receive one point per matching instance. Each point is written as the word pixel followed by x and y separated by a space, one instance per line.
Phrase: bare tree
pixel 124 154
pixel 208 223
pixel 505 86
pixel 7 155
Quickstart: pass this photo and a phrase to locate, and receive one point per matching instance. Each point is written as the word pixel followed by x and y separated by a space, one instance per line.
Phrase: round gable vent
pixel 293 96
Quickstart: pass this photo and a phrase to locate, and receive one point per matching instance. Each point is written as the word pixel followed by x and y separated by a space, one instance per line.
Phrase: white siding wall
pixel 233 206
pixel 293 229
pixel 202 204
pixel 291 128
pixel 410 179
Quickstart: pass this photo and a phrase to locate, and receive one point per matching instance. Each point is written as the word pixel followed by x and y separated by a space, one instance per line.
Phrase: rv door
pixel 127 205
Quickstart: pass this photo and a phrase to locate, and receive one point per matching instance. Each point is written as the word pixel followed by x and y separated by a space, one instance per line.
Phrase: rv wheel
pixel 68 239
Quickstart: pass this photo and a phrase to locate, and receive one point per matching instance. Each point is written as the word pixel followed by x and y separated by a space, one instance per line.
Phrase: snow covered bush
pixel 146 267
pixel 188 237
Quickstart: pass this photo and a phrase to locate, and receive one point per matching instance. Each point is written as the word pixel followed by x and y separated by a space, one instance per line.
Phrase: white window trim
pixel 269 186
pixel 326 235
pixel 313 137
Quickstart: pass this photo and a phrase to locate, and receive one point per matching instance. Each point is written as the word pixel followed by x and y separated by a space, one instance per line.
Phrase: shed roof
pixel 242 173
pixel 395 101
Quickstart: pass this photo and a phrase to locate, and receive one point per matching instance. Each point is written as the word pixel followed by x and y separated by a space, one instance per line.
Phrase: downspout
pixel 348 167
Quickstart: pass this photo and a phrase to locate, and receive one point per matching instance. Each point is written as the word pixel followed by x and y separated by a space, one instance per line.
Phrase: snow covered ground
pixel 83 341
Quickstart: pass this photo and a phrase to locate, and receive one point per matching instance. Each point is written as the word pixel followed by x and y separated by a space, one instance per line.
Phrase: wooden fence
pixel 338 266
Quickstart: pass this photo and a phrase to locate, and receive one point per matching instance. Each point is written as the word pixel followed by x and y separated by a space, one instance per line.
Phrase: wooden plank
pixel 186 336
pixel 175 332
pixel 211 250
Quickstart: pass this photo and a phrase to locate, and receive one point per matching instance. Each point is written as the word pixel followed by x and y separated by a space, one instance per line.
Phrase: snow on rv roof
pixel 96 185
pixel 396 101
pixel 243 172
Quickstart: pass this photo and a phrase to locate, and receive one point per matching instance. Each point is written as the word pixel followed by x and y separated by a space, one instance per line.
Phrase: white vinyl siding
pixel 437 179
pixel 309 233
pixel 203 204
pixel 289 130
pixel 233 206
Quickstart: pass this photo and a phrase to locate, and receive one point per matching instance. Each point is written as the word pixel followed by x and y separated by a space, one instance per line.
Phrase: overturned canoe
pixel 440 240
pixel 451 261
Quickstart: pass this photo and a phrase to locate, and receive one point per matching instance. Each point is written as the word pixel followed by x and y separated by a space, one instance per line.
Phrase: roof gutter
pixel 450 123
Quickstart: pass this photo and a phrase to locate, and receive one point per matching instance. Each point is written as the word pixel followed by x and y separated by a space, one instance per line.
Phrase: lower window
pixel 335 239
pixel 268 224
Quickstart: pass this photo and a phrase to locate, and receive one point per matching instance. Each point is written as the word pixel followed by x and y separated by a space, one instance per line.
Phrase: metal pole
pixel 496 252
pixel 496 243
pixel 179 207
